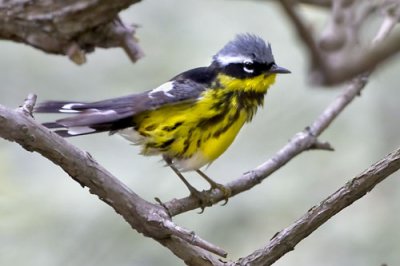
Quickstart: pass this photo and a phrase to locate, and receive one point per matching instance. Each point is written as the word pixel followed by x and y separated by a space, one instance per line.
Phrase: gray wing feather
pixel 108 114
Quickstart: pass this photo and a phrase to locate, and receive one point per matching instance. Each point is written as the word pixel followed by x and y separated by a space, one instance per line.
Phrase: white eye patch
pixel 248 66
pixel 229 59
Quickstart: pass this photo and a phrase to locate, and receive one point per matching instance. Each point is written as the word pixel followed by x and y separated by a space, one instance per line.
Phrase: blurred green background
pixel 48 219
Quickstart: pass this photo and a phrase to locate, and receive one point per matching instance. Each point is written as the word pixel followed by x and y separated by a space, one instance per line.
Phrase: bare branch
pixel 364 62
pixel 143 216
pixel 80 26
pixel 329 64
pixel 386 27
pixel 337 106
pixel 193 239
pixel 304 32
pixel 124 34
pixel 146 218
pixel 70 28
pixel 288 238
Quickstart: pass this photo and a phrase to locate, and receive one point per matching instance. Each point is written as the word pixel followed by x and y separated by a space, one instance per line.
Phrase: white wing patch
pixel 100 112
pixel 164 88
pixel 225 60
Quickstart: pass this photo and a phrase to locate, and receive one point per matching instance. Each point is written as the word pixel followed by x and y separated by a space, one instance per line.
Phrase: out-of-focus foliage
pixel 48 219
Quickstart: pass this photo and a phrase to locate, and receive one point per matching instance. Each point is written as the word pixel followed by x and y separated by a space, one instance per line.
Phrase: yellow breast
pixel 214 147
pixel 194 134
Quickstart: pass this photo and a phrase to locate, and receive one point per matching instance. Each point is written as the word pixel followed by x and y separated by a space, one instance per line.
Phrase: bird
pixel 189 120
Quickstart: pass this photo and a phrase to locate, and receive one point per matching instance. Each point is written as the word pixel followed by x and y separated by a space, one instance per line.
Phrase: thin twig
pixel 125 35
pixel 193 239
pixel 380 51
pixel 320 145
pixel 288 238
pixel 304 32
pixel 76 54
pixel 387 26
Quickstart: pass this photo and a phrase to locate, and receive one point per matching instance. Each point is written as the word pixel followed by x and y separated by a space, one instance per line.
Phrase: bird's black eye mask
pixel 246 69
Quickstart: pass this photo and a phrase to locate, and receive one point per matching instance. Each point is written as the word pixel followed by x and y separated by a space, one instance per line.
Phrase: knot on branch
pixel 28 105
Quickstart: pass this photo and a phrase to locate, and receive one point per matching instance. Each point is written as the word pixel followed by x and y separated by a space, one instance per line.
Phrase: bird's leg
pixel 204 200
pixel 225 190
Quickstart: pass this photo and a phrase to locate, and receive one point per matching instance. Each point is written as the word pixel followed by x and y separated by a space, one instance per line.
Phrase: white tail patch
pixel 80 130
pixel 69 111
pixel 67 108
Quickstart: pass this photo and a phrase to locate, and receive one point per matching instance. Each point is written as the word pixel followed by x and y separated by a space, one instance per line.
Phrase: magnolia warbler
pixel 191 119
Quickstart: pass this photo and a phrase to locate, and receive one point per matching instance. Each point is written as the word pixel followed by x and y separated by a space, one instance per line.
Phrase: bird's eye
pixel 248 66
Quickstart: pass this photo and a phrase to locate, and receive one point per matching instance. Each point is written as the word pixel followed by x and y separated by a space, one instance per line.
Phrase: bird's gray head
pixel 245 47
pixel 246 56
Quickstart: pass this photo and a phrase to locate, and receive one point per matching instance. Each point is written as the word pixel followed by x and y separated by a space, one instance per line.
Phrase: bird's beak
pixel 278 69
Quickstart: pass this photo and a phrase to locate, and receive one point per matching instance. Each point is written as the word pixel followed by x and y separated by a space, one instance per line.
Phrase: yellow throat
pixel 203 130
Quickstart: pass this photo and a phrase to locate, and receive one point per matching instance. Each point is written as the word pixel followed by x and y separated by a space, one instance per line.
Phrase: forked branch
pixel 285 241
pixel 146 218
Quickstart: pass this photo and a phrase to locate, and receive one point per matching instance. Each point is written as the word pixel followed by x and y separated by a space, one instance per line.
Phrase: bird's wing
pixel 114 114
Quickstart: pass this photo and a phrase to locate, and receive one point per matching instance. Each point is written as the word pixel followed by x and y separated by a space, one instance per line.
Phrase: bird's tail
pixel 87 118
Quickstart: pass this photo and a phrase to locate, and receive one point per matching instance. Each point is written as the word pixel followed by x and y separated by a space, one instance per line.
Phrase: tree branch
pixel 302 141
pixel 338 57
pixel 146 218
pixel 364 62
pixel 288 238
pixel 70 28
pixel 303 31
pixel 77 27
